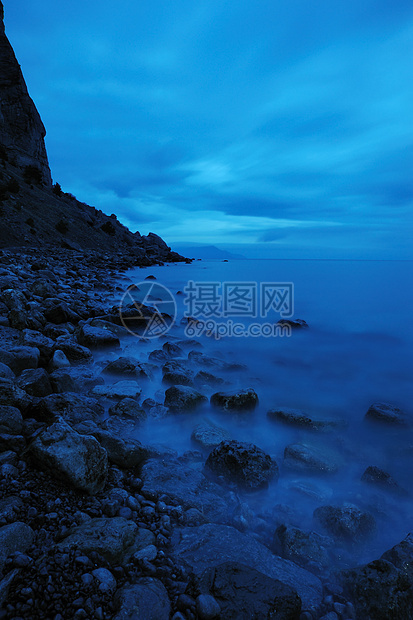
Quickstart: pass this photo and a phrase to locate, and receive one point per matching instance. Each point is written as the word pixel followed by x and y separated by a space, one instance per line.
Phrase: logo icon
pixel 147 309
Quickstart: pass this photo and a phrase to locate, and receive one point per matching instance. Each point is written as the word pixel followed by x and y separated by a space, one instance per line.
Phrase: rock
pixel 78 459
pixel 97 338
pixel 213 362
pixel 346 522
pixel 172 350
pixel 5 585
pixel 9 506
pixel 114 538
pixel 299 419
pixel 6 372
pixel 36 339
pixel 182 398
pixel 128 408
pixel 304 458
pixel 243 464
pixel 12 395
pixel 14 537
pixel 75 352
pixel 24 357
pixel 293 323
pixel 35 382
pixel 74 408
pixel 379 590
pixel 106 580
pixel 125 366
pixel 175 373
pixel 146 599
pixel 240 592
pixel 208 435
pixel 11 421
pixel 120 389
pixel 126 453
pixel 401 555
pixel 58 312
pixel 386 413
pixel 187 486
pixel 59 360
pixel 206 378
pixel 207 607
pixel 244 400
pixel 379 477
pixel 207 546
pixel 77 379
pixel 302 548
pixel 148 553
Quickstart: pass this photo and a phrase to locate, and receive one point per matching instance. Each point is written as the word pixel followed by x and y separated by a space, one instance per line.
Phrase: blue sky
pixel 287 125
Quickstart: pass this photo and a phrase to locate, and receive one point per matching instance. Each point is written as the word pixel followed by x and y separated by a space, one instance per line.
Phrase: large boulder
pixel 346 522
pixel 207 546
pixel 189 487
pixel 146 599
pixel 114 538
pixel 241 463
pixel 244 400
pixel 182 398
pixel 243 593
pixel 78 459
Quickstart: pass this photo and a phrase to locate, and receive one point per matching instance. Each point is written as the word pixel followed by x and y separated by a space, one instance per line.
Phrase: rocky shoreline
pixel 95 523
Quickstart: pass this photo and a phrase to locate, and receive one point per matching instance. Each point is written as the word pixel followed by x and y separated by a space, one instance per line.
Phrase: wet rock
pixel 240 593
pixel 299 419
pixel 346 522
pixel 380 478
pixel 241 463
pixel 32 338
pixel 78 459
pixel 106 580
pixel 386 413
pixel 244 400
pixel 207 378
pixel 118 390
pixel 128 408
pixel 401 555
pixel 379 590
pixel 189 487
pixel 59 360
pixel 122 451
pixel 125 367
pixel 12 395
pixel 97 338
pixel 147 598
pixel 5 585
pixel 11 420
pixel 73 408
pixel 207 546
pixel 172 350
pixel 182 398
pixel 14 537
pixel 9 506
pixel 74 379
pixel 75 352
pixel 58 312
pixel 176 373
pixel 302 548
pixel 114 538
pixel 6 372
pixel 304 458
pixel 208 435
pixel 35 382
pixel 293 323
pixel 24 357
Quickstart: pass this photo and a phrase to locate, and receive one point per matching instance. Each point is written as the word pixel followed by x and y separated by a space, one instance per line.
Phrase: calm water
pixel 358 350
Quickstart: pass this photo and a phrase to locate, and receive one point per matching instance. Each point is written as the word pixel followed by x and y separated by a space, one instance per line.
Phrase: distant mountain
pixel 208 251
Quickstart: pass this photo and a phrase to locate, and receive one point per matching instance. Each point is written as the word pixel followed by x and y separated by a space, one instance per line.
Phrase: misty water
pixel 356 351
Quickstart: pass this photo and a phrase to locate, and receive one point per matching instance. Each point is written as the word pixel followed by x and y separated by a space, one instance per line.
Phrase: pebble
pixel 207 607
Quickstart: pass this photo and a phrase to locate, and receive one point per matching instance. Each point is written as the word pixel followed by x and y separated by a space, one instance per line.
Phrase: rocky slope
pixel 33 211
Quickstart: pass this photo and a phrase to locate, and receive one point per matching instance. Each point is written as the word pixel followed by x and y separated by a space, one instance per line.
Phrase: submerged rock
pixel 386 413
pixel 244 400
pixel 346 522
pixel 303 458
pixel 182 398
pixel 380 478
pixel 208 435
pixel 243 464
pixel 299 419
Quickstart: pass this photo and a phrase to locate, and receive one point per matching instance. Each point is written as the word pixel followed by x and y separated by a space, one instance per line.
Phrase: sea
pixel 356 350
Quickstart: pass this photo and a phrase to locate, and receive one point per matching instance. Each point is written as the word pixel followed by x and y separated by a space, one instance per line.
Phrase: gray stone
pixel 121 389
pixel 210 545
pixel 207 607
pixel 74 408
pixel 244 400
pixel 59 360
pixel 209 435
pixel 97 337
pixel 78 459
pixel 106 580
pixel 128 408
pixel 147 599
pixel 243 464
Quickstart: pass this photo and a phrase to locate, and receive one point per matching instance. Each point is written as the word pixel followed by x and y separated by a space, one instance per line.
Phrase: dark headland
pixel 96 524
